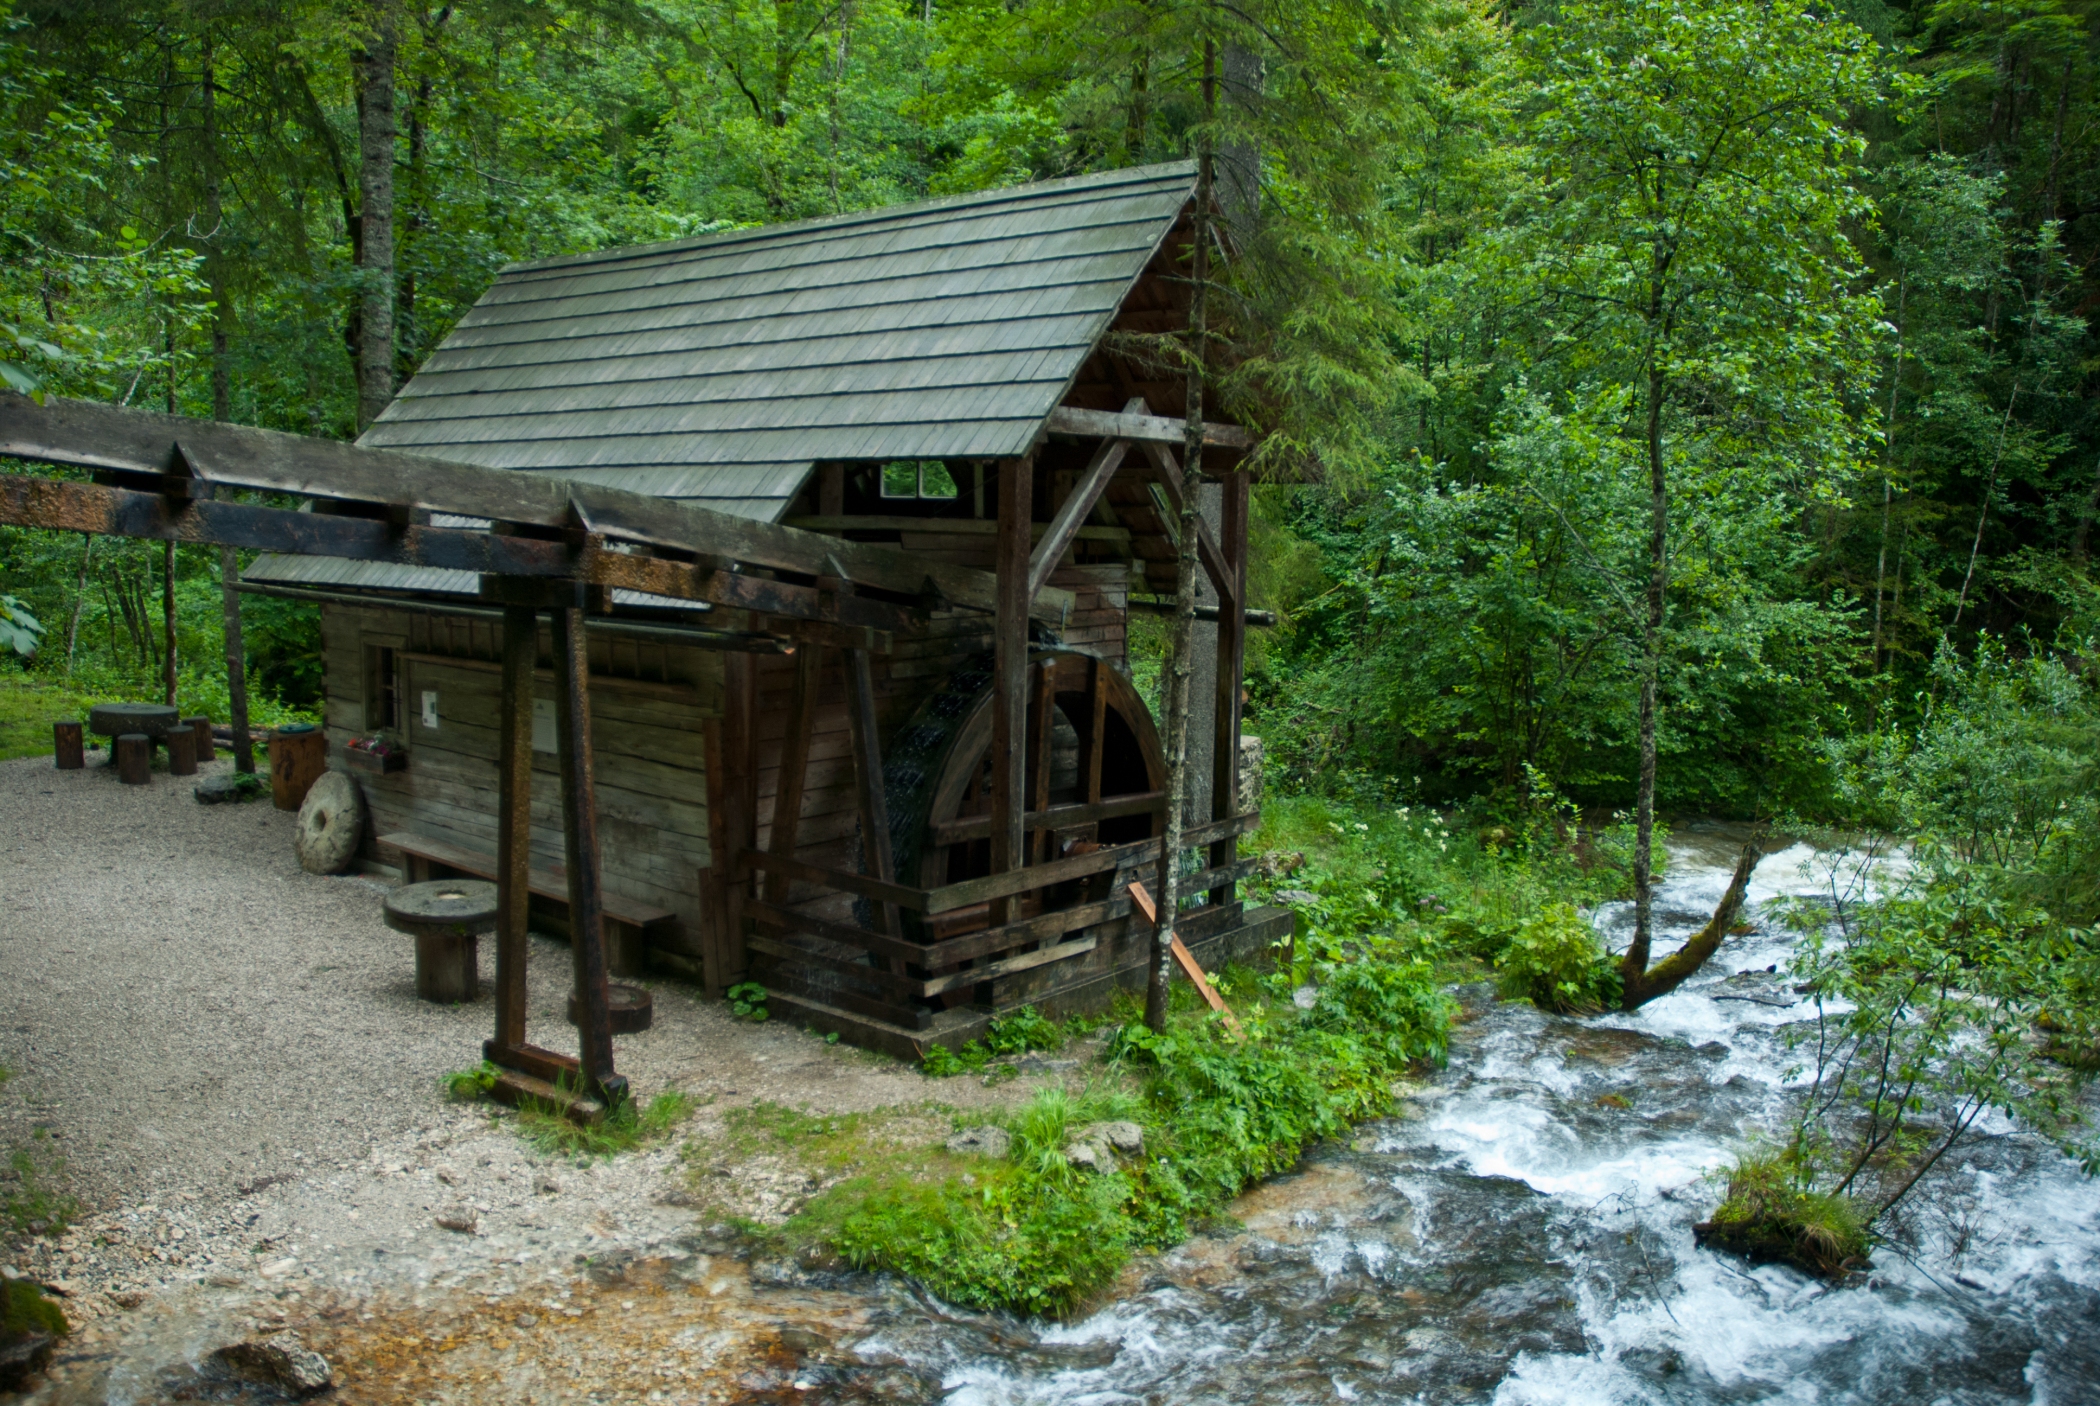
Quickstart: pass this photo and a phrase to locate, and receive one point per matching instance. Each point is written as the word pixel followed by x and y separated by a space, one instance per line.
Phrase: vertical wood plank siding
pixel 647 736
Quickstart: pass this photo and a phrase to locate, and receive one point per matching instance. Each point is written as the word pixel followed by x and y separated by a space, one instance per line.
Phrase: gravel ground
pixel 229 1056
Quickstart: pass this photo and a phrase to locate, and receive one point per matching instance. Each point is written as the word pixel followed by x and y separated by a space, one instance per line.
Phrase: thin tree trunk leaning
pixel 87 550
pixel 1671 972
pixel 167 622
pixel 1888 477
pixel 375 123
pixel 1162 971
pixel 236 660
pixel 1983 514
pixel 1636 961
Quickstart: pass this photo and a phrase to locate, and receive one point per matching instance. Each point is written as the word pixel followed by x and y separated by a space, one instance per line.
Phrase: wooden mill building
pixel 854 811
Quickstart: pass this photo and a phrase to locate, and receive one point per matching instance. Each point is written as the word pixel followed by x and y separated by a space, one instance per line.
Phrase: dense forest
pixel 1523 283
pixel 1668 408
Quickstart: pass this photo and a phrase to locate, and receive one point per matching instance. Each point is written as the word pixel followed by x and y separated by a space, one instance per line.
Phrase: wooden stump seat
pixel 446 917
pixel 628 925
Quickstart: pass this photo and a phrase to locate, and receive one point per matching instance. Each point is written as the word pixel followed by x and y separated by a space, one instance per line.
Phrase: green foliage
pixel 25 1310
pixel 470 1085
pixel 1555 961
pixel 19 630
pixel 1015 1033
pixel 747 1001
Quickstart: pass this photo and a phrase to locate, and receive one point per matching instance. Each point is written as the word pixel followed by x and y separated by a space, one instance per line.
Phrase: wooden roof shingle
pixel 720 369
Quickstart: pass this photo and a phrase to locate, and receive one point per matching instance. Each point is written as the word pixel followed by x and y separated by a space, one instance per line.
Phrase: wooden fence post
pixel 521 643
pixel 572 669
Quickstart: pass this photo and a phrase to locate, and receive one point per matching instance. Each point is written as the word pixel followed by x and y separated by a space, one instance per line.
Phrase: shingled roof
pixel 719 369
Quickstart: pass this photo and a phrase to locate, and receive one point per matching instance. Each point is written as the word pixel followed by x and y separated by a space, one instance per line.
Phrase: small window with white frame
pixel 918 478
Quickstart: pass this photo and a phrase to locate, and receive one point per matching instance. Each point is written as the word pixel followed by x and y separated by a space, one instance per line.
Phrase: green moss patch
pixel 1768 1217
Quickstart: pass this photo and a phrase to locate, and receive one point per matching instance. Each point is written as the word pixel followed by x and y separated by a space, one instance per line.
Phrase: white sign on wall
pixel 543 725
pixel 430 708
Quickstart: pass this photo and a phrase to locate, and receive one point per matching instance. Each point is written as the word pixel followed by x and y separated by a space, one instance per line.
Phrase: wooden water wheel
pixel 1096 776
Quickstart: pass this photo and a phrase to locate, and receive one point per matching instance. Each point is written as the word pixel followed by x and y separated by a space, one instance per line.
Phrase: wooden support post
pixel 794 764
pixel 167 623
pixel 877 860
pixel 738 788
pixel 1097 699
pixel 572 712
pixel 1040 741
pixel 236 660
pixel 1010 672
pixel 1232 656
pixel 68 747
pixel 521 644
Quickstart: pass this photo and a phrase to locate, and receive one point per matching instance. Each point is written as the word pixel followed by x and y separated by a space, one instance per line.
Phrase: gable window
pixel 918 478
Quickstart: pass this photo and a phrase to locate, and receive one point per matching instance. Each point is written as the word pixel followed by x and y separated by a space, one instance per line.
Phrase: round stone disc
pixel 155 720
pixel 442 903
pixel 331 823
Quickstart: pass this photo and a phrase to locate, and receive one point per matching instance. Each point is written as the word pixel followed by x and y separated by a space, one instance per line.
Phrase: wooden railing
pixel 908 973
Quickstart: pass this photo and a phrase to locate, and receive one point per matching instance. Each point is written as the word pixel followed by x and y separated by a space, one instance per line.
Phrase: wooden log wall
pixel 649 706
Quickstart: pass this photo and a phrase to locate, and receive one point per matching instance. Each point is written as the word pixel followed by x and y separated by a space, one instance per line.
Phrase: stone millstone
pixel 442 905
pixel 280 1361
pixel 331 824
pixel 155 720
pixel 629 1009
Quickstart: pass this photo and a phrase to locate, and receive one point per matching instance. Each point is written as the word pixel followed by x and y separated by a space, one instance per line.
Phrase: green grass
pixel 31 702
pixel 31 1201
pixel 25 1310
pixel 548 1130
pixel 1768 1215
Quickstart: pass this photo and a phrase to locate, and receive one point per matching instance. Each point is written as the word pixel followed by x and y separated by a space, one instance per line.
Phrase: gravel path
pixel 229 1055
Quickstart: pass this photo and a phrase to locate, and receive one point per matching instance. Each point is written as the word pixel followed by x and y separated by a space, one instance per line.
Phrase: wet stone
pixel 279 1361
pixel 982 1142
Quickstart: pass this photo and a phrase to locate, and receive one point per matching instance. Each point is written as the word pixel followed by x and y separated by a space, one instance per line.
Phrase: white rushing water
pixel 1524 1238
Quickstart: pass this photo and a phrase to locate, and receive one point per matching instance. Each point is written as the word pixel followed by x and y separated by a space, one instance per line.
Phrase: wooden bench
pixel 629 926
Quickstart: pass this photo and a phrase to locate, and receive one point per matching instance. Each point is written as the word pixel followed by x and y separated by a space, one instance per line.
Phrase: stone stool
pixel 446 917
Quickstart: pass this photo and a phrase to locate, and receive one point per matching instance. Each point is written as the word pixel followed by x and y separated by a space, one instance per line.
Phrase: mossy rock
pixel 1816 1234
pixel 30 1327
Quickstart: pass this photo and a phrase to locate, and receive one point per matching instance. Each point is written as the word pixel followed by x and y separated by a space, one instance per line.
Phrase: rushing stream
pixel 1522 1237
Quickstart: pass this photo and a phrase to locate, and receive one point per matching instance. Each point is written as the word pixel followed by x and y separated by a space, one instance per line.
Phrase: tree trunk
pixel 1671 972
pixel 1169 902
pixel 87 550
pixel 1888 473
pixel 375 122
pixel 167 620
pixel 1635 963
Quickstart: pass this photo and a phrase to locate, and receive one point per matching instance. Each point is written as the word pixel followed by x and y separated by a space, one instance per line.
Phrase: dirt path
pixel 229 1058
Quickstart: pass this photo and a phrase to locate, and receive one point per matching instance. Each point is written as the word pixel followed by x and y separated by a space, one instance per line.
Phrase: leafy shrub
pixel 747 1000
pixel 1556 962
pixel 467 1085
pixel 1014 1033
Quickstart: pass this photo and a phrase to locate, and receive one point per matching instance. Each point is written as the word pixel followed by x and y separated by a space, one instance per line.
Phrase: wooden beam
pixel 867 781
pixel 237 456
pixel 1072 512
pixel 1096 742
pixel 1010 669
pixel 1042 735
pixel 521 634
pixel 1106 424
pixel 1187 961
pixel 1231 666
pixel 860 885
pixel 794 764
pixel 1065 817
pixel 946 527
pixel 1167 468
pixel 572 714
